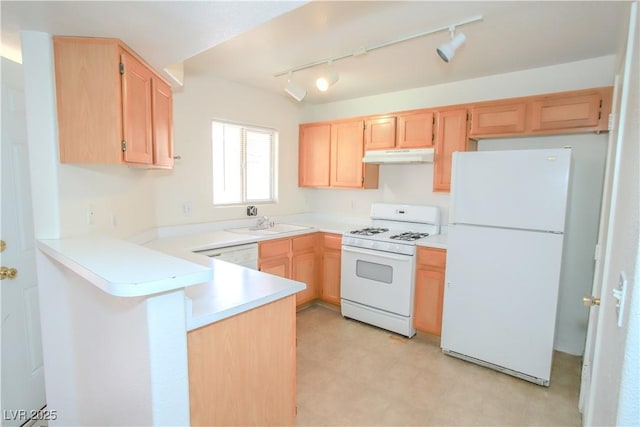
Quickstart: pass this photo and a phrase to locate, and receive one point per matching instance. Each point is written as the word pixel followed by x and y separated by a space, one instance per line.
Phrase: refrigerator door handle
pixel 452 201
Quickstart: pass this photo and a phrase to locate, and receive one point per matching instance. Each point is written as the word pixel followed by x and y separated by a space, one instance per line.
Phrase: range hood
pixel 414 155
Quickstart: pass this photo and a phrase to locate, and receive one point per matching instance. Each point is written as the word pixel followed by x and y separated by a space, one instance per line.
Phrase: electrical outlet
pixel 90 215
pixel 252 211
pixel 186 208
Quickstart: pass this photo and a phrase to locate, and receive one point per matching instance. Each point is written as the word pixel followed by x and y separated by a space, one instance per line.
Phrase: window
pixel 243 163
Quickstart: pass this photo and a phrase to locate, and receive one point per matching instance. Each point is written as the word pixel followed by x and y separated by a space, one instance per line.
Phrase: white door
pixel 609 389
pixel 524 189
pixel 22 367
pixel 501 297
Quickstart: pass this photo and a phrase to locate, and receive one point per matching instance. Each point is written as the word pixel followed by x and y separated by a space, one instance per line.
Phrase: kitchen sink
pixel 264 231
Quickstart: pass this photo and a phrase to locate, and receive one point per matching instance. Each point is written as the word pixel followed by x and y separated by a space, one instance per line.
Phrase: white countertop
pixel 215 289
pixel 197 241
pixel 438 241
pixel 234 290
pixel 124 269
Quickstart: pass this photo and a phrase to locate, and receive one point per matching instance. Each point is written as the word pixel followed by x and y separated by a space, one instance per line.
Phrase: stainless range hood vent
pixel 416 155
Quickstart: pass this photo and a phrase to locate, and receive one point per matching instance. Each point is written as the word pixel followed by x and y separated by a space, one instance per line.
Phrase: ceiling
pixel 250 42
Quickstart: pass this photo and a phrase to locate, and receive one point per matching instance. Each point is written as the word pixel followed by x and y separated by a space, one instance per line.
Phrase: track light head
pixel 328 79
pixel 295 91
pixel 448 50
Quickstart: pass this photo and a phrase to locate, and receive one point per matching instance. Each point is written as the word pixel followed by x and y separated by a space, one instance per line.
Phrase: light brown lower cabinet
pixel 314 259
pixel 331 264
pixel 429 291
pixel 295 258
pixel 242 370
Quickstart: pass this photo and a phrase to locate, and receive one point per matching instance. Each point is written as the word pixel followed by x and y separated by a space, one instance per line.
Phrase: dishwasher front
pixel 245 255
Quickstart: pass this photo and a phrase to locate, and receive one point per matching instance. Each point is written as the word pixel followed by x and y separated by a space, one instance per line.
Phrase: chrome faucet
pixel 263 222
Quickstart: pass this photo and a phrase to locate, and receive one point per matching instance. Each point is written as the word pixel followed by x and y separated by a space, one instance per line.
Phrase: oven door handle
pixel 386 255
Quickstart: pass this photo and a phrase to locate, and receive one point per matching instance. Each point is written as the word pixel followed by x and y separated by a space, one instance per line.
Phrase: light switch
pixel 619 294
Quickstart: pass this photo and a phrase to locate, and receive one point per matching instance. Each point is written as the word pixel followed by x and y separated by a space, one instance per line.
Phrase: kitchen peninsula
pixel 123 345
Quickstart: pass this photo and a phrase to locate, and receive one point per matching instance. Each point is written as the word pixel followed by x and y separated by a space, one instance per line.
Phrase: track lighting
pixel 324 82
pixel 448 50
pixel 295 91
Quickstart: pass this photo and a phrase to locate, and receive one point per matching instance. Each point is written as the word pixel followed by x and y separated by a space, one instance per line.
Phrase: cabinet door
pixel 566 112
pixel 380 133
pixel 498 120
pixel 162 101
pixel 451 136
pixel 88 96
pixel 331 276
pixel 415 130
pixel 136 111
pixel 279 266
pixel 429 294
pixel 346 154
pixel 314 159
pixel 242 369
pixel 304 269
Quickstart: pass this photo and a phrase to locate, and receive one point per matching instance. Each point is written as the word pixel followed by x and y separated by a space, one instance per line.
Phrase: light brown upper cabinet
pixel 347 150
pixel 415 129
pixel 451 135
pixel 314 155
pixel 162 108
pixel 578 110
pixel 412 129
pixel 575 111
pixel 380 133
pixel 112 107
pixel 136 111
pixel 331 152
pixel 330 155
pixel 496 119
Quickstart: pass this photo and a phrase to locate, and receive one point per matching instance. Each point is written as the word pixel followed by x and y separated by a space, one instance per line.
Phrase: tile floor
pixel 353 374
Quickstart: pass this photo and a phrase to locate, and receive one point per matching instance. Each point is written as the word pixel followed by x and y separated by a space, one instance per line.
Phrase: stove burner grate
pixel 409 236
pixel 369 231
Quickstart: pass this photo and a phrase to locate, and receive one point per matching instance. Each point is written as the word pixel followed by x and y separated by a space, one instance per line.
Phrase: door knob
pixel 7 273
pixel 590 301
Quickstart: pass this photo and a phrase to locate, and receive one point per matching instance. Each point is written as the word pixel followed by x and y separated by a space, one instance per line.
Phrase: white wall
pixel 121 198
pixel 413 183
pixel 203 99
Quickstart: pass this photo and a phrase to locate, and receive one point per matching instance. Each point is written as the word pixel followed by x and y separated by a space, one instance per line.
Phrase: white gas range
pixel 378 265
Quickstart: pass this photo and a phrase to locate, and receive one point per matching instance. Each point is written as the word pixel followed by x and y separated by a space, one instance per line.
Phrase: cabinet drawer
pixel 429 257
pixel 333 241
pixel 274 248
pixel 306 242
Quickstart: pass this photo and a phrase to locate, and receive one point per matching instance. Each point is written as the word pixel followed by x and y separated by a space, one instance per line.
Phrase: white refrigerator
pixel 504 256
